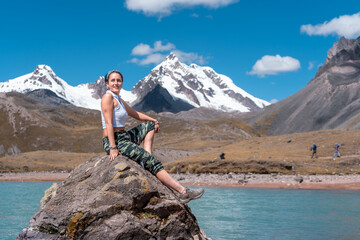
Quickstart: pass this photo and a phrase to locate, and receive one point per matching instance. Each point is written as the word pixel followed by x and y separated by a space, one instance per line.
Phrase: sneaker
pixel 191 194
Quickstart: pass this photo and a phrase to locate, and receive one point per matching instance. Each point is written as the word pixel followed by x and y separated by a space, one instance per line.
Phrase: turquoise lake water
pixel 227 213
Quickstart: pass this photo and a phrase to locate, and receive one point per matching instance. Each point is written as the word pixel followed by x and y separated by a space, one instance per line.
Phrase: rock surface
pixel 112 200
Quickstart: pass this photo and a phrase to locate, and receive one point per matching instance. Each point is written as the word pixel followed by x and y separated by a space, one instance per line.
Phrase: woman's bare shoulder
pixel 107 96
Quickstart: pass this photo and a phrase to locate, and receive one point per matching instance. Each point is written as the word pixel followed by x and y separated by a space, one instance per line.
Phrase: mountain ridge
pixel 181 87
pixel 331 100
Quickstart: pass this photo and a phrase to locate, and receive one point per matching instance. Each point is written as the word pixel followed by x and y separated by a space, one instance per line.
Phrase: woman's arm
pixel 140 116
pixel 107 107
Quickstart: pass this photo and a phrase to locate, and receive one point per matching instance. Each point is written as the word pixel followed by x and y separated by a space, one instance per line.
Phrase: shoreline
pixel 314 186
pixel 34 177
pixel 345 182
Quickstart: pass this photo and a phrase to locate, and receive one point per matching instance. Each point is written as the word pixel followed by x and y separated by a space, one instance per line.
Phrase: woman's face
pixel 115 83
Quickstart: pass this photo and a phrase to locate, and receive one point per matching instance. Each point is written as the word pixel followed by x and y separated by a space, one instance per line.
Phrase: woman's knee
pixel 149 126
pixel 138 133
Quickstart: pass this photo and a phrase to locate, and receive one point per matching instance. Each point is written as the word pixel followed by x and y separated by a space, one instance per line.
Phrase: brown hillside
pixel 30 126
pixel 27 125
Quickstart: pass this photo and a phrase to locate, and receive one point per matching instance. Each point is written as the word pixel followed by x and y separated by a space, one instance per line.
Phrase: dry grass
pixel 281 154
pixel 43 161
pixel 276 154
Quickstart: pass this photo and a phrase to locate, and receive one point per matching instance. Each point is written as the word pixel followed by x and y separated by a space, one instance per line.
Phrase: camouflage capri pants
pixel 128 142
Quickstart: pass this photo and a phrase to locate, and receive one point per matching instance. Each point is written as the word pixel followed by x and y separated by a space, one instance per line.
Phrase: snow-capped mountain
pixel 43 77
pixel 170 87
pixel 193 86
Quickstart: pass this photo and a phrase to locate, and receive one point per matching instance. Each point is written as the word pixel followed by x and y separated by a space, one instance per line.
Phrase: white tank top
pixel 119 113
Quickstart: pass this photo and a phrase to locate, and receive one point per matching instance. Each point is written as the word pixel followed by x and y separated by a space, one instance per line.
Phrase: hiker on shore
pixel 313 149
pixel 337 152
pixel 222 156
pixel 178 169
pixel 117 140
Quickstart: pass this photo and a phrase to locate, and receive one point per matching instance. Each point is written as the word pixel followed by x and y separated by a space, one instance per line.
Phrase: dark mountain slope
pixel 159 100
pixel 46 97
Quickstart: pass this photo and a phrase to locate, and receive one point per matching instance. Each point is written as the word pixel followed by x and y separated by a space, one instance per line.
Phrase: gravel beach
pixel 351 182
pixel 272 181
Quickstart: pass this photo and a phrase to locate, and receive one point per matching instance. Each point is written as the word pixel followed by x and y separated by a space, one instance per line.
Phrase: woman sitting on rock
pixel 114 112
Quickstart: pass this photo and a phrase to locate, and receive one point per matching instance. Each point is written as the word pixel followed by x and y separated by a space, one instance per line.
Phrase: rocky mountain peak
pixel 171 57
pixel 170 64
pixel 100 80
pixel 345 51
pixel 44 74
pixel 343 44
pixel 44 67
pixel 98 88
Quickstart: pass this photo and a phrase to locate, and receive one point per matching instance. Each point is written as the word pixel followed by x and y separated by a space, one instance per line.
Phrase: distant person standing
pixel 178 169
pixel 313 149
pixel 222 156
pixel 337 152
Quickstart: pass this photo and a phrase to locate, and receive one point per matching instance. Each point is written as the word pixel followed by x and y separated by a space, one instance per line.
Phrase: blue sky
pixel 271 49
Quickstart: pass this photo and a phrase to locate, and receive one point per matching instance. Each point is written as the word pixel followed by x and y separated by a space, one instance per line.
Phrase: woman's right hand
pixel 157 128
pixel 113 154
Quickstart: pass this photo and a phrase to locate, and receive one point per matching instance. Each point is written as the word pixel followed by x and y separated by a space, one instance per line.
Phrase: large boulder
pixel 112 200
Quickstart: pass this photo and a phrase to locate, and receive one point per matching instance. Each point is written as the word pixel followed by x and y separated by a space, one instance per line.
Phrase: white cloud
pixel 311 65
pixel 272 65
pixel 141 49
pixel 134 60
pixel 155 58
pixel 166 7
pixel 346 25
pixel 154 55
pixel 189 57
pixel 158 47
pixel 145 49
pixel 272 101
